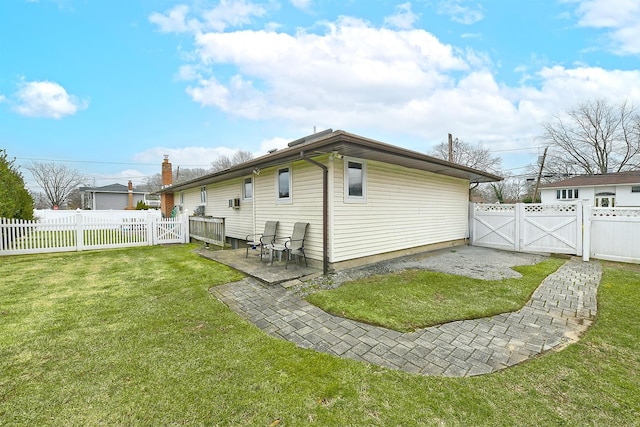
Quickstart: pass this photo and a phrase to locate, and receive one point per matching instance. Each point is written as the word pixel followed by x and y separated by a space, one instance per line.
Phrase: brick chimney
pixel 166 199
pixel 130 206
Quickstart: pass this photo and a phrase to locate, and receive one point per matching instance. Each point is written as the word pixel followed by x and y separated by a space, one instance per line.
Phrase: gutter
pixel 325 212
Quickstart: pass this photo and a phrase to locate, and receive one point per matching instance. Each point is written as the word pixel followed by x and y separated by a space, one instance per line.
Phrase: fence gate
pixel 528 227
pixel 170 230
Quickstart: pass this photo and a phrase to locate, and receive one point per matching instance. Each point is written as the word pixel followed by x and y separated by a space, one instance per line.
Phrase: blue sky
pixel 108 87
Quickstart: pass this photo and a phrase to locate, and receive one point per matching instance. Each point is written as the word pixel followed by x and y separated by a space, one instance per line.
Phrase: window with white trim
pixel 567 194
pixel 247 188
pixel 355 180
pixel 181 198
pixel 283 185
pixel 203 194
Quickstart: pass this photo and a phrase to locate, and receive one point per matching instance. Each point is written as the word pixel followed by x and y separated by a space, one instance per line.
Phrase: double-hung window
pixel 355 181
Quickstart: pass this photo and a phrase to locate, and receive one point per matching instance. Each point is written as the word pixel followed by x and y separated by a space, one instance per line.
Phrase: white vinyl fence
pixel 528 227
pixel 614 234
pixel 567 228
pixel 81 230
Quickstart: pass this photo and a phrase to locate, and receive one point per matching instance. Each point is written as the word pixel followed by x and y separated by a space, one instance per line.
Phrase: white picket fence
pixel 567 228
pixel 80 230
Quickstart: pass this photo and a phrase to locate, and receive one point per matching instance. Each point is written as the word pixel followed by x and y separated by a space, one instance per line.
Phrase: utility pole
pixel 450 148
pixel 535 193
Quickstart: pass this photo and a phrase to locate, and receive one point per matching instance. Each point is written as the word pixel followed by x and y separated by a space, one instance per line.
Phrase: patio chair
pixel 266 238
pixel 293 245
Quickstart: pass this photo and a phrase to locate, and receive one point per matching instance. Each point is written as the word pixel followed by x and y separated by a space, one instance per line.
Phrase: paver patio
pixel 560 309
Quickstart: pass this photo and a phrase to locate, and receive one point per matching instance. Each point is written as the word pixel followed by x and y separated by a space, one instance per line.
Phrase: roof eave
pixel 359 147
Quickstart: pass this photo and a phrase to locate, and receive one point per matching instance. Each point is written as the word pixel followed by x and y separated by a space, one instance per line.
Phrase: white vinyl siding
pixel 405 208
pixel 626 197
pixel 622 193
pixel 190 200
pixel 306 204
pixel 238 222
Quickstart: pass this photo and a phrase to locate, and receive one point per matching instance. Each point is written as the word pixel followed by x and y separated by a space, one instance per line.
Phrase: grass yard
pixel 415 299
pixel 132 337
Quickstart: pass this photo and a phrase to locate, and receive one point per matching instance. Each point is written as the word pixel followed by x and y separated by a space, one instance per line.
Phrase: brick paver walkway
pixel 562 307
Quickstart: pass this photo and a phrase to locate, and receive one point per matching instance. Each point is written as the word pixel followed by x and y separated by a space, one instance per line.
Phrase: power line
pixel 102 162
pixel 513 149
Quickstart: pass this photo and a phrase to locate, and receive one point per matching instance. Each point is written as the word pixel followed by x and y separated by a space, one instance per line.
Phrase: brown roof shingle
pixel 630 177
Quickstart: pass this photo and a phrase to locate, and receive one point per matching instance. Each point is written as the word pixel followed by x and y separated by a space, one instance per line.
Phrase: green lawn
pixel 132 337
pixel 414 299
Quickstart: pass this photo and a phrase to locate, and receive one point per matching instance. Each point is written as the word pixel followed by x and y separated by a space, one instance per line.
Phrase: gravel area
pixel 470 261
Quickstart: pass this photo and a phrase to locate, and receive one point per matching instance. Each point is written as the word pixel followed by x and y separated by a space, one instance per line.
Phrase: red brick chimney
pixel 130 206
pixel 166 199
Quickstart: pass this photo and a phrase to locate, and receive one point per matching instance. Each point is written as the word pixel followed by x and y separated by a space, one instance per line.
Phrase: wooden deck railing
pixel 207 229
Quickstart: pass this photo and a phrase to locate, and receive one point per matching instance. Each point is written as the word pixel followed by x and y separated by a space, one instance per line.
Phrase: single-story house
pixel 113 196
pixel 621 189
pixel 361 197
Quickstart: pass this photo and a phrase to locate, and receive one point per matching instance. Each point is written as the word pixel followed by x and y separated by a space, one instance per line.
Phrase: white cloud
pixel 198 157
pixel 404 18
pixel 189 157
pixel 233 13
pixel 351 61
pixel 622 20
pixel 228 13
pixel 174 20
pixel 46 99
pixel 460 13
pixel 373 80
pixel 301 4
pixel 188 72
pixel 272 143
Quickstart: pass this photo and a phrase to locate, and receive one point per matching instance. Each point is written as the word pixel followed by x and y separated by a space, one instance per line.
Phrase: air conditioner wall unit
pixel 234 203
pixel 199 210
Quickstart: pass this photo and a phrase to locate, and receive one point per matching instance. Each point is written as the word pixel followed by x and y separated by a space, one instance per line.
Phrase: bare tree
pixel 74 201
pixel 595 137
pixel 477 157
pixel 224 162
pixel 510 190
pixel 57 180
pixel 154 182
pixel 184 174
pixel 40 201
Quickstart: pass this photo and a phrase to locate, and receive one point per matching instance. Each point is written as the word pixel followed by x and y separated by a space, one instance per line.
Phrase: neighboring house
pixel 621 189
pixel 114 196
pixel 366 197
